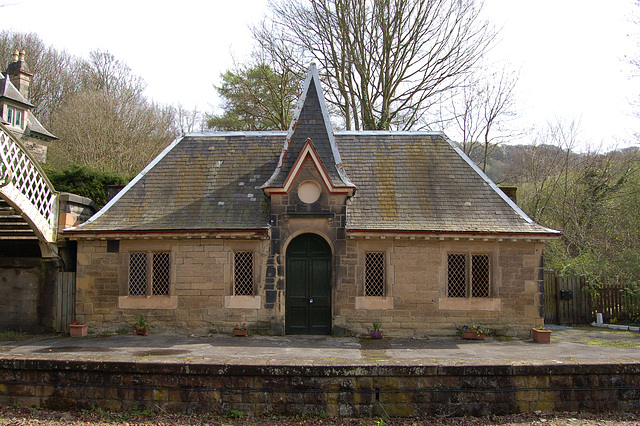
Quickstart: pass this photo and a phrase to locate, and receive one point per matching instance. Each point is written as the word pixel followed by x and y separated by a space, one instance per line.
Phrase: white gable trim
pixel 308 151
pixel 493 186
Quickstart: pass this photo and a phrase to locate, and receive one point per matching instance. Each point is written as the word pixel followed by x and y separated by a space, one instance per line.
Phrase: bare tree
pixel 384 61
pixel 55 72
pixel 480 111
pixel 108 123
pixel 96 107
pixel 542 168
pixel 186 120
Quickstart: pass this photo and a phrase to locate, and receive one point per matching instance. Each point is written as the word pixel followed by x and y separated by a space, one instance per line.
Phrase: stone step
pixel 12 225
pixel 12 221
pixel 14 218
pixel 13 234
pixel 8 225
pixel 6 209
pixel 31 237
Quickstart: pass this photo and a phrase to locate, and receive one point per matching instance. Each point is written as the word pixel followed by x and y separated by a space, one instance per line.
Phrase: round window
pixel 309 192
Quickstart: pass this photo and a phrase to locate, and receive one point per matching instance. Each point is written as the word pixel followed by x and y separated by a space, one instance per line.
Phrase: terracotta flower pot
pixel 541 336
pixel 472 335
pixel 142 331
pixel 240 333
pixel 78 330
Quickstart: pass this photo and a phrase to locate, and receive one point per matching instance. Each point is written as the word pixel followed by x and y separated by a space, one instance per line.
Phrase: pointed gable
pixel 310 126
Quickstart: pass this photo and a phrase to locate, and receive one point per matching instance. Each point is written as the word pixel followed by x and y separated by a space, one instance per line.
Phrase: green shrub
pixel 84 181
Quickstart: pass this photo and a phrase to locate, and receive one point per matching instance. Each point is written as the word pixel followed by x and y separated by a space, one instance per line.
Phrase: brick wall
pixel 396 391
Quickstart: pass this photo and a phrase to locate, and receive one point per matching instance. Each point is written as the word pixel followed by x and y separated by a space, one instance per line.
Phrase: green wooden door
pixel 308 300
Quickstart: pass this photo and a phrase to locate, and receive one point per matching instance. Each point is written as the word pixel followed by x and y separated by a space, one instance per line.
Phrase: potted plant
pixel 472 333
pixel 78 329
pixel 376 333
pixel 141 326
pixel 541 334
pixel 241 330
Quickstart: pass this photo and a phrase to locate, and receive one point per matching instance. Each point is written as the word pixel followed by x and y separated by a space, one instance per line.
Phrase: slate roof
pixel 408 181
pixel 404 181
pixel 36 129
pixel 200 182
pixel 9 91
pixel 419 181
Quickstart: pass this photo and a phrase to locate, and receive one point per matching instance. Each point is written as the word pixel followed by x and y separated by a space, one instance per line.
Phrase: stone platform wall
pixel 334 391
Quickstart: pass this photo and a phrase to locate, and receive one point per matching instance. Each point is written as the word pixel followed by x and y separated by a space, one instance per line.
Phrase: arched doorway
pixel 308 292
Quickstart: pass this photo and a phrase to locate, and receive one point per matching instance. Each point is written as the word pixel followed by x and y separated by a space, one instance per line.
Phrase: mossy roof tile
pixel 408 182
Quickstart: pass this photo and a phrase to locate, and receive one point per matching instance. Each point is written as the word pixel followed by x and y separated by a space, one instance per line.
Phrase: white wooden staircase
pixel 28 201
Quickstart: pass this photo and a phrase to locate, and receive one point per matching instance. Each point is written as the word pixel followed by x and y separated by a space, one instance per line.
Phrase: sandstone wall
pixel 258 390
pixel 415 302
pixel 201 280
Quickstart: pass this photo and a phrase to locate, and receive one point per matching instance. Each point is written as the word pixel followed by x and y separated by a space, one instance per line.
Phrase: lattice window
pixel 468 275
pixel 161 274
pixel 243 273
pixel 374 274
pixel 480 275
pixel 137 274
pixel 145 280
pixel 457 275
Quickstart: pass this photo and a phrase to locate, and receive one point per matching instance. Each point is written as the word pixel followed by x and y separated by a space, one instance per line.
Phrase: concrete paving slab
pixel 569 345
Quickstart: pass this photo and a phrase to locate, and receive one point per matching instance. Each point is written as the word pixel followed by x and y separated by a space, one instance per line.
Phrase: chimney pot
pixel 19 73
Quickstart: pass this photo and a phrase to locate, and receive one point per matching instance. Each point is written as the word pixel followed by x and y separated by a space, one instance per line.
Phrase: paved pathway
pixel 570 345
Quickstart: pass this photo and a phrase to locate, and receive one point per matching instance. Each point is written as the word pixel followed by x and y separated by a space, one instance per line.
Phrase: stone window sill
pixel 371 302
pixel 469 304
pixel 242 302
pixel 148 302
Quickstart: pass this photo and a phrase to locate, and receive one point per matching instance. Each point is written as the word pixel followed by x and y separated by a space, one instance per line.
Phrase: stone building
pixel 15 108
pixel 311 231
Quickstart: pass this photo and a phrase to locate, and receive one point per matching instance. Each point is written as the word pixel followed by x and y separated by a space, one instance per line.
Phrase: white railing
pixel 24 184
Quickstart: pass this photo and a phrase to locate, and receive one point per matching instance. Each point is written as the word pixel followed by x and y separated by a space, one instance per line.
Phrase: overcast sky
pixel 570 53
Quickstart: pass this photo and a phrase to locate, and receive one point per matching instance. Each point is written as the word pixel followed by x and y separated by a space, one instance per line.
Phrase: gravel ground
pixel 11 415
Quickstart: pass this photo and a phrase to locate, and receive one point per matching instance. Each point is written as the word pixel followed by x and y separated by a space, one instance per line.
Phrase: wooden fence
pixel 567 301
pixel 65 302
pixel 614 302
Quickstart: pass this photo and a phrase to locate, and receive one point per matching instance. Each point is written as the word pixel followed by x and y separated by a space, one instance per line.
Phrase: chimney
pixel 19 73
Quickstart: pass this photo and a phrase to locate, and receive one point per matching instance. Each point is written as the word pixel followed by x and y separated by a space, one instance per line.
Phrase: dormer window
pixel 15 117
